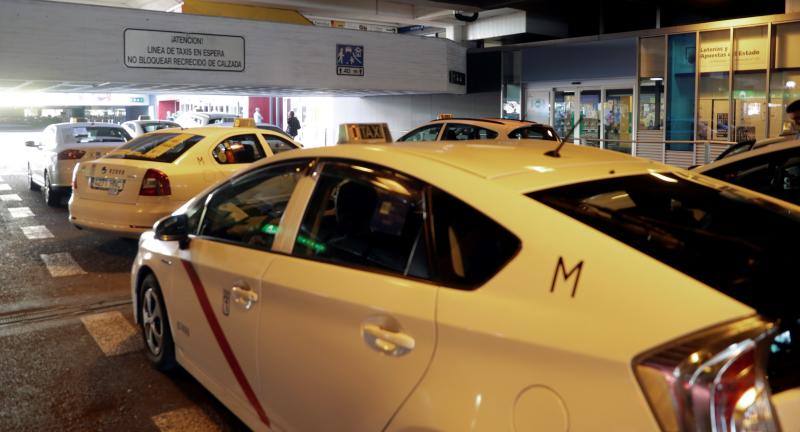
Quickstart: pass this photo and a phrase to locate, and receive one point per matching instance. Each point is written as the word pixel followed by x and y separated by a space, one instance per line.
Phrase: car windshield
pixel 726 237
pixel 91 134
pixel 162 147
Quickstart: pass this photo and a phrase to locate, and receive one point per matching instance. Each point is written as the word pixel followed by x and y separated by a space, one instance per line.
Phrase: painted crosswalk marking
pixel 4 186
pixel 20 212
pixel 61 264
pixel 113 333
pixel 36 232
pixel 185 419
pixel 10 197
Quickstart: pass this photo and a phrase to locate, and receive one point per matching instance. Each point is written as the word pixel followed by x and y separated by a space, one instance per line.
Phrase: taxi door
pixel 236 152
pixel 221 276
pixel 347 324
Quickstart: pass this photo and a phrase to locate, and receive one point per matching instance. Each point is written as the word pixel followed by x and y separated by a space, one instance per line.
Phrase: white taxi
pixel 481 287
pixel 61 146
pixel 132 187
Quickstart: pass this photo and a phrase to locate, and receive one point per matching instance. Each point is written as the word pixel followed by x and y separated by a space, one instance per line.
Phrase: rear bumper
pixel 126 220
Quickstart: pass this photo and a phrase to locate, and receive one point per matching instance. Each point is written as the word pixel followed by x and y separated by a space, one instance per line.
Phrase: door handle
pixel 386 341
pixel 243 296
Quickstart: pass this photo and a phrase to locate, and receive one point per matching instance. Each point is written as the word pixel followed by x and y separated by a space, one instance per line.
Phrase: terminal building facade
pixel 678 95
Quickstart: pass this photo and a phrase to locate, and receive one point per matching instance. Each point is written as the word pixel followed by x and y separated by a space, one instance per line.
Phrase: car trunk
pixel 95 150
pixel 113 180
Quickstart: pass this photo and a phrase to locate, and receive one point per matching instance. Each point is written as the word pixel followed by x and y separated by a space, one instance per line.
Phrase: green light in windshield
pixel 270 229
pixel 315 246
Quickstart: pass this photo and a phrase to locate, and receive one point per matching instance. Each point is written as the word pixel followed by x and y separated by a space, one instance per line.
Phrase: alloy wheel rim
pixel 152 322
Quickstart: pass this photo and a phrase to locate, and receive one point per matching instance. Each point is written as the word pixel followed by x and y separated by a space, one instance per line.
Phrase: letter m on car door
pixel 563 277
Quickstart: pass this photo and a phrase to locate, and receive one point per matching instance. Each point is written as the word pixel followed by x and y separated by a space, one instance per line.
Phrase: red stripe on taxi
pixel 222 341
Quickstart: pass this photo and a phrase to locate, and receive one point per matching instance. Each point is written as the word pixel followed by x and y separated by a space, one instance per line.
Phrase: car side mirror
pixel 788 128
pixel 173 228
pixel 30 144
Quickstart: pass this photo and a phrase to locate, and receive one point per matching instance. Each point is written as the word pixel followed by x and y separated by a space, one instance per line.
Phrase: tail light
pixel 75 176
pixel 71 154
pixel 712 381
pixel 155 183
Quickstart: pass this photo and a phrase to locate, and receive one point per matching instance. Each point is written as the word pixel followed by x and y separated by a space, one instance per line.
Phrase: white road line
pixel 113 333
pixel 10 197
pixel 20 212
pixel 61 264
pixel 37 232
pixel 4 186
pixel 185 419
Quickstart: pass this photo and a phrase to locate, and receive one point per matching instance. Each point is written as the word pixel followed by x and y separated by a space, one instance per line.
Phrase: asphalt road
pixel 71 357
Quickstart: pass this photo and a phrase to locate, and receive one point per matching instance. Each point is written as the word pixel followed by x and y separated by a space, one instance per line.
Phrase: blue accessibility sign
pixel 350 60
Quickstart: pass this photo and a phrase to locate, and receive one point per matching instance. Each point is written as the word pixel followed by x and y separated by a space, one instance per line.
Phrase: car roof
pixel 519 163
pixel 489 120
pixel 150 121
pixel 213 130
pixel 84 124
pixel 765 149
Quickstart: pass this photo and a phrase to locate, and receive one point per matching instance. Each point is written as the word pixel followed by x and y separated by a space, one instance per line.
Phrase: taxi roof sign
pixel 364 133
pixel 244 122
pixel 444 116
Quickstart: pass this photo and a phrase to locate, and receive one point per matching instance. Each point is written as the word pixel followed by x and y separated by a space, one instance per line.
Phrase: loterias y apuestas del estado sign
pixel 157 49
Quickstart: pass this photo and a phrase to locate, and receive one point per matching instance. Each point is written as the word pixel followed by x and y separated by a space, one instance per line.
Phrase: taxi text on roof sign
pixel 364 133
pixel 244 122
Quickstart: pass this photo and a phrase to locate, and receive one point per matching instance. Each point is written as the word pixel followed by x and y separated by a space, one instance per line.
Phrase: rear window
pixel 533 132
pixel 151 127
pixel 723 236
pixel 163 147
pixel 88 134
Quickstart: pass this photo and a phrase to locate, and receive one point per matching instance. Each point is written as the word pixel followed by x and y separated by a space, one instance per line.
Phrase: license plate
pixel 113 186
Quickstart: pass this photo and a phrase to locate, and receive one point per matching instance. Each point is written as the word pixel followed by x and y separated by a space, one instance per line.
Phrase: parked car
pixel 445 286
pixel 60 147
pixel 129 189
pixel 772 169
pixel 141 127
pixel 200 119
pixel 460 129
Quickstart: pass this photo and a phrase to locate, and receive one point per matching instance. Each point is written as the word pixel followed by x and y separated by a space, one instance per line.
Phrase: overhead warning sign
pixel 350 60
pixel 156 49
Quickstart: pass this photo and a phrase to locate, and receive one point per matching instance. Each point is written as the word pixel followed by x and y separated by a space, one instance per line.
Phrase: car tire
pixel 158 343
pixel 51 197
pixel 32 184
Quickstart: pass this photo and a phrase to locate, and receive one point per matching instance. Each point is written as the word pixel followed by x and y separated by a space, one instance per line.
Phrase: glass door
pixel 564 104
pixel 589 131
pixel 618 120
pixel 537 106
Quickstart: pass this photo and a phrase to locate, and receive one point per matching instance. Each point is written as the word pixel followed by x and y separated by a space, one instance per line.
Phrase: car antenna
pixel 555 153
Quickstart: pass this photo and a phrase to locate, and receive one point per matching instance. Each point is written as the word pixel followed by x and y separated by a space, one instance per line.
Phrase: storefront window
pixel 785 76
pixel 750 60
pixel 617 120
pixel 651 84
pixel 590 118
pixel 713 100
pixel 680 90
pixel 537 106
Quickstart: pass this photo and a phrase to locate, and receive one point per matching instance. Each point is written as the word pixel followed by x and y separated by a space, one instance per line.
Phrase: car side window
pixel 238 149
pixel 249 210
pixel 460 132
pixel 469 247
pixel 277 144
pixel 533 132
pixel 424 133
pixel 365 216
pixel 755 173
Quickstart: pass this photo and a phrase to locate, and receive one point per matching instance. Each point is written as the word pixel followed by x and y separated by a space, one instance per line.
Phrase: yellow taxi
pixel 133 186
pixel 445 286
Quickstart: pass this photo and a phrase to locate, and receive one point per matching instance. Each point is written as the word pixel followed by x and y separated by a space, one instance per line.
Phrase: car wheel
pixel 51 198
pixel 158 342
pixel 31 184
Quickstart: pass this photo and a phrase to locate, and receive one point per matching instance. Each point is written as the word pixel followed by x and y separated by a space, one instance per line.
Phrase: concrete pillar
pixel 458 33
pixel 792 6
